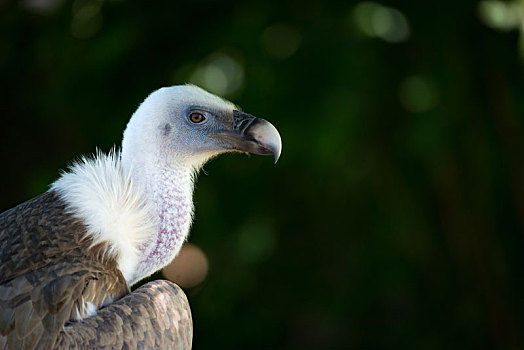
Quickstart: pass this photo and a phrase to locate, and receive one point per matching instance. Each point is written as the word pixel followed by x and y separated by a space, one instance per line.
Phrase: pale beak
pixel 254 135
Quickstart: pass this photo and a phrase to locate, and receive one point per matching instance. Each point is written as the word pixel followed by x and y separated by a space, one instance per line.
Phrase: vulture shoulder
pixel 155 316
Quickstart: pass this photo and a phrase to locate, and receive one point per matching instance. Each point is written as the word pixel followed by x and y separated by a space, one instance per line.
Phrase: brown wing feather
pixel 36 233
pixel 48 272
pixel 155 316
pixel 35 307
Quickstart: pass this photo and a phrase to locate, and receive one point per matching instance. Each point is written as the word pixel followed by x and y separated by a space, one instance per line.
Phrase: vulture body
pixel 68 256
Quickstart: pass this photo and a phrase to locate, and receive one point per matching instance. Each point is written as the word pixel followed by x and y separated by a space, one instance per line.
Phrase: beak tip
pixel 268 137
pixel 276 144
pixel 276 153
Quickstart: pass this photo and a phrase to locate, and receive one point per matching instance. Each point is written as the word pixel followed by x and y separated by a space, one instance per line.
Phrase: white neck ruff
pixel 143 214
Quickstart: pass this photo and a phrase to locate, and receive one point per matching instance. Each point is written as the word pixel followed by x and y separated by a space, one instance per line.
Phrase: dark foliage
pixel 395 216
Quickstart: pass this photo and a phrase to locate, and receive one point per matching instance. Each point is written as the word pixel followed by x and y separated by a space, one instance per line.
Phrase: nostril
pixel 242 121
pixel 245 124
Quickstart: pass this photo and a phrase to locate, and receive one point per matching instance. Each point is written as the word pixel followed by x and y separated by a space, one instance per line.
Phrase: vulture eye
pixel 196 117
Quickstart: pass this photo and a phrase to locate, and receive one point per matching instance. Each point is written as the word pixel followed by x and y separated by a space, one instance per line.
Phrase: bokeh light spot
pixel 189 268
pixel 87 18
pixel 501 15
pixel 417 94
pixel 256 241
pixel 42 7
pixel 281 40
pixel 219 73
pixel 378 21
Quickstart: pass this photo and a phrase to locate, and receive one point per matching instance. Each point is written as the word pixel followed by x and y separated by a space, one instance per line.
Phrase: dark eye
pixel 196 117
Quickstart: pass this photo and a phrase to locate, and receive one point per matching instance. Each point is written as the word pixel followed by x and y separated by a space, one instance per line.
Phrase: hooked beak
pixel 254 135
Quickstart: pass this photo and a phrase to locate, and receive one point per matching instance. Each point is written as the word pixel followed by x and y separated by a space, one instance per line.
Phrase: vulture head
pixel 188 125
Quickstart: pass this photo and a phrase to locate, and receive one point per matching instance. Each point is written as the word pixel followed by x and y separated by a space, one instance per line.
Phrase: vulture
pixel 69 256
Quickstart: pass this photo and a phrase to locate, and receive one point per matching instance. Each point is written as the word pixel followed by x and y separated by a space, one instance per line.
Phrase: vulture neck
pixel 168 186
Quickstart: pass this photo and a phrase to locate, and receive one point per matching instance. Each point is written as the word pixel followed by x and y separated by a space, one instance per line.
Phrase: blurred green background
pixel 395 216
